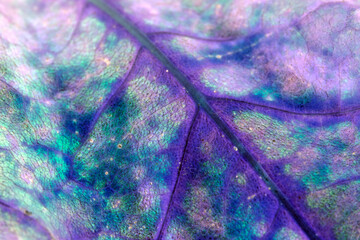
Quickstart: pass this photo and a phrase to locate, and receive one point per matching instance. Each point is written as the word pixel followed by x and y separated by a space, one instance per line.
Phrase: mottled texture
pixel 219 196
pixel 309 65
pixel 314 160
pixel 131 156
pixel 214 18
pixel 158 119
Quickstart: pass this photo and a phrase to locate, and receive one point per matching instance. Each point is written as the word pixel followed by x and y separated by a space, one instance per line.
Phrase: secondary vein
pixel 202 102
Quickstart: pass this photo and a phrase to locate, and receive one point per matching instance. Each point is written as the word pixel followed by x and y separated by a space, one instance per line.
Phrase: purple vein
pixel 171 200
pixel 220 40
pixel 203 103
pixel 334 113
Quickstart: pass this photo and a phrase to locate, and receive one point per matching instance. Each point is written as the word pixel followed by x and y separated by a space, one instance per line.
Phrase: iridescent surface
pixel 308 65
pixel 220 197
pixel 312 158
pixel 214 18
pixel 251 131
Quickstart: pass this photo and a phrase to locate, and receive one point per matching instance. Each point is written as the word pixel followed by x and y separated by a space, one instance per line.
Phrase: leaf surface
pixel 179 120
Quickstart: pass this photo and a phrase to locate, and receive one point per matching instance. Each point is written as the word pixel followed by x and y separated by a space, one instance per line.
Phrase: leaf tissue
pixel 179 119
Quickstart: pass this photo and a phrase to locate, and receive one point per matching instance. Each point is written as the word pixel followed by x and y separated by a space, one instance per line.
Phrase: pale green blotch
pixel 335 203
pixel 104 236
pixel 216 167
pixel 338 205
pixel 325 201
pixel 169 115
pixel 260 229
pixel 287 234
pixel 271 136
pixel 241 179
pixel 117 55
pixel 187 46
pixel 176 231
pixel 349 228
pixel 112 61
pixel 230 80
pixel 199 205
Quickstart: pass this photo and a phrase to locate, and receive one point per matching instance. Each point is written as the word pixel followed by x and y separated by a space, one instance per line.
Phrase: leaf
pixel 179 120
